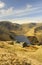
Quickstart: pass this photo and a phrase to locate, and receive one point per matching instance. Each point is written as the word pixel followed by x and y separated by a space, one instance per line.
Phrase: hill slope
pixel 9 30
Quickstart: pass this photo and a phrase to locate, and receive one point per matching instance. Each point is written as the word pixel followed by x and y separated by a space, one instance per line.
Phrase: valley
pixel 20 44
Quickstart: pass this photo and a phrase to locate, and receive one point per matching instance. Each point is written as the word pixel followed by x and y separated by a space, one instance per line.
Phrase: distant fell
pixel 9 30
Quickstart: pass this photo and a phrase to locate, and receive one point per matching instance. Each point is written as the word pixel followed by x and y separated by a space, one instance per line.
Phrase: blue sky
pixel 21 11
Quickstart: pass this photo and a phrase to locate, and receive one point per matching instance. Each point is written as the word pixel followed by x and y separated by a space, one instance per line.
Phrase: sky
pixel 21 11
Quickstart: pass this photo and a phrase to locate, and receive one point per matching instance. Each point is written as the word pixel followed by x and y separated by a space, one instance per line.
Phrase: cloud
pixel 6 12
pixel 20 14
pixel 25 20
pixel 17 12
pixel 24 10
pixel 11 10
pixel 2 4
pixel 29 6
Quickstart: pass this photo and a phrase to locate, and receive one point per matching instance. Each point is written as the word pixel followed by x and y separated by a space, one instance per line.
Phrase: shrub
pixel 11 43
pixel 25 44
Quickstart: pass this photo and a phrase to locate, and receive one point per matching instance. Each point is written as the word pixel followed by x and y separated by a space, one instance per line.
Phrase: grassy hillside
pixel 17 55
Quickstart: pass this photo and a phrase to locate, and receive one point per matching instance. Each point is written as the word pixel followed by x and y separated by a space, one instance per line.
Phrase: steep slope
pixel 6 29
pixel 38 33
